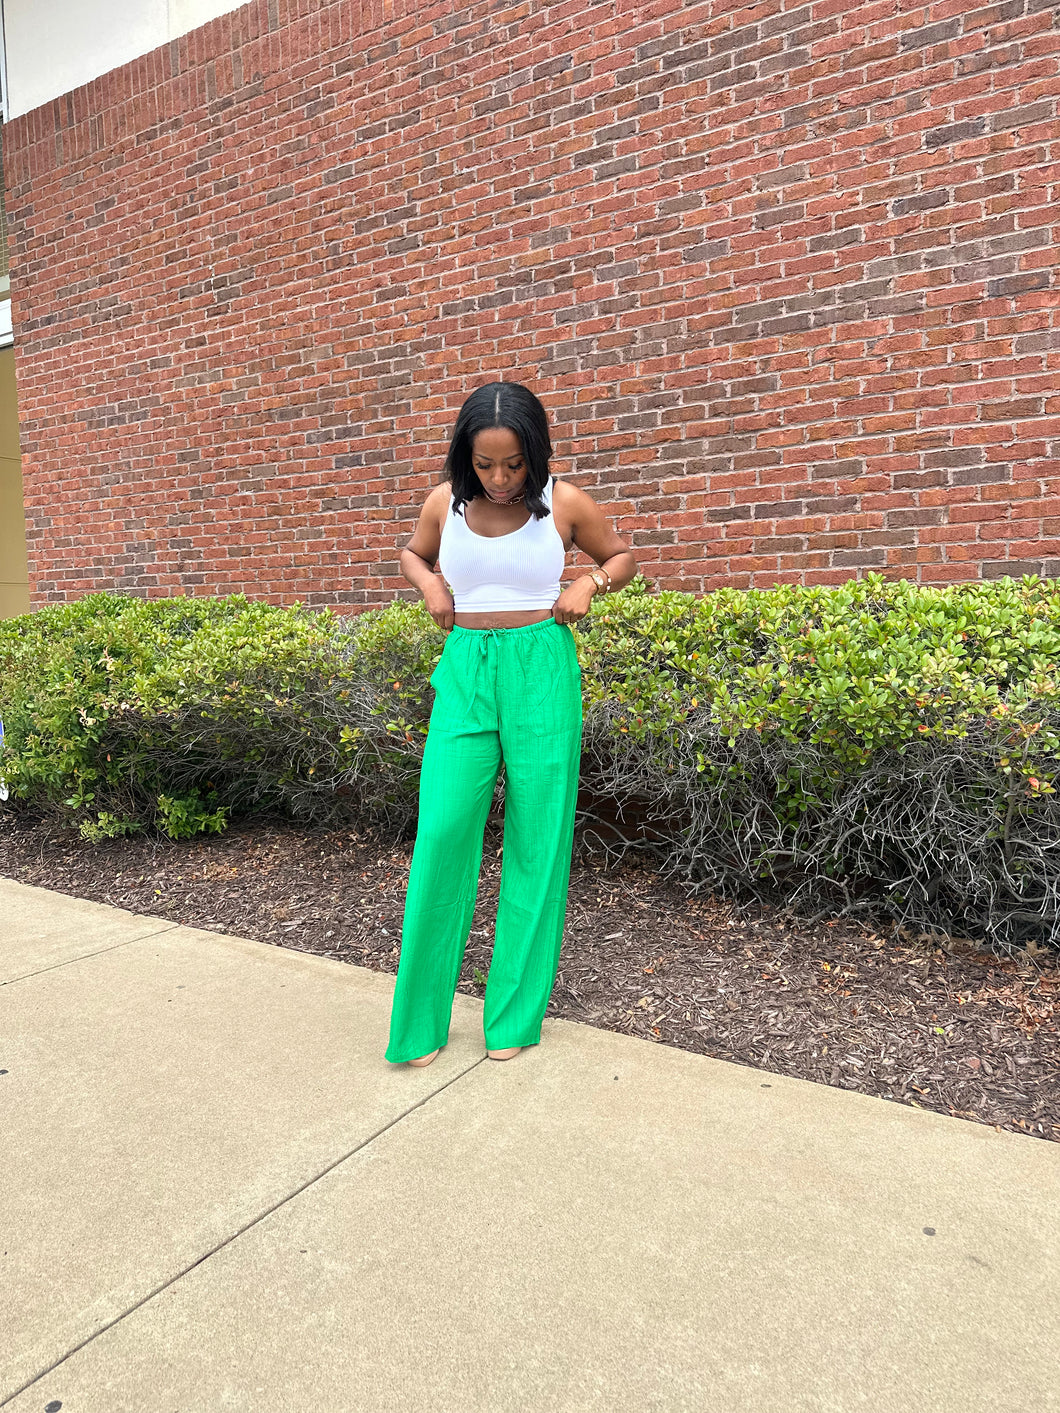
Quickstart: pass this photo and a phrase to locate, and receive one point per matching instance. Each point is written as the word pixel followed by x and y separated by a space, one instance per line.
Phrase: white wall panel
pixel 54 46
pixel 186 15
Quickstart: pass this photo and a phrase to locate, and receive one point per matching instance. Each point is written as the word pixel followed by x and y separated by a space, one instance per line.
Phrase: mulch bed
pixel 953 1030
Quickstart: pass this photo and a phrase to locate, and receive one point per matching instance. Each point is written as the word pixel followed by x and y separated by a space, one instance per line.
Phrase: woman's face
pixel 497 457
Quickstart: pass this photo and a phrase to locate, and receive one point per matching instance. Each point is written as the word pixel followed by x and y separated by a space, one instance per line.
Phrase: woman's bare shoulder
pixel 570 498
pixel 426 538
pixel 436 506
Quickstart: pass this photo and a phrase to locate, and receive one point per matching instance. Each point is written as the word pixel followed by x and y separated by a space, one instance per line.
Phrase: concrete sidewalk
pixel 216 1193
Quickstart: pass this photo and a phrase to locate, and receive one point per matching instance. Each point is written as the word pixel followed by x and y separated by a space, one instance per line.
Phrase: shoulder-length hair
pixel 515 408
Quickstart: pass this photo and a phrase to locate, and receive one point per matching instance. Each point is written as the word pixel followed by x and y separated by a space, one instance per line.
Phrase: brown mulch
pixel 953 1029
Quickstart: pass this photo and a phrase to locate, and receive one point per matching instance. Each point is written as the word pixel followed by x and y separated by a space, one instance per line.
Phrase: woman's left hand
pixel 573 603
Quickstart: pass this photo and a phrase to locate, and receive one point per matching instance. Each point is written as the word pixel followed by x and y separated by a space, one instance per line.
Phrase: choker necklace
pixel 514 500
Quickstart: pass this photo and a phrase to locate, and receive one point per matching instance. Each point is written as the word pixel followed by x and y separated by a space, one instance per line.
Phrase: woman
pixel 507 687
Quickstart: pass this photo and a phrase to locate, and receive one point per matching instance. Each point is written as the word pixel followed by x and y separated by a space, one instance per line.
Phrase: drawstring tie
pixel 485 633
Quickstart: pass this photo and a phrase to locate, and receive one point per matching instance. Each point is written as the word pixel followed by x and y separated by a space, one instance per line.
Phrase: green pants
pixel 511 694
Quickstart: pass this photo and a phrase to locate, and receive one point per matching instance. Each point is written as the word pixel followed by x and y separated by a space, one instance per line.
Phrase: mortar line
pixel 124 1314
pixel 84 956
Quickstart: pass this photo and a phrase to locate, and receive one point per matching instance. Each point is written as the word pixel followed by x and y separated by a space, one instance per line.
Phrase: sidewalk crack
pixel 234 1236
pixel 84 956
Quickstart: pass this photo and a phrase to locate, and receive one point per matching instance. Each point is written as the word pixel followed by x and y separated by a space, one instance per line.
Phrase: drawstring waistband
pixel 483 633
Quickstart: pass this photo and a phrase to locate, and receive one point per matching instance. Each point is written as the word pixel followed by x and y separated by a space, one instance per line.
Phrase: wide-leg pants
pixel 511 694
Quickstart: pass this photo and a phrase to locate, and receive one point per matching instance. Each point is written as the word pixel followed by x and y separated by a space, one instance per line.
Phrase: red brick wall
pixel 784 279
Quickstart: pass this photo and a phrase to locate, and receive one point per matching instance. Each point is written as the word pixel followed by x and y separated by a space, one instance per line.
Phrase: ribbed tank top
pixel 502 573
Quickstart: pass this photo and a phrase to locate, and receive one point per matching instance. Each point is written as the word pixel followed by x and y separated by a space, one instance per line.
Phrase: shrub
pixel 883 748
pixel 126 714
pixel 880 747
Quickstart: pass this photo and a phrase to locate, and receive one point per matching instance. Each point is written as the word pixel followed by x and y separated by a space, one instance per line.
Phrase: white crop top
pixel 502 573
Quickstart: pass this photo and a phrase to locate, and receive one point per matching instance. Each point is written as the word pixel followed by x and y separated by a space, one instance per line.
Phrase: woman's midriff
pixel 502 620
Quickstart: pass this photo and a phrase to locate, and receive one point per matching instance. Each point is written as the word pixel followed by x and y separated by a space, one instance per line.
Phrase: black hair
pixel 515 408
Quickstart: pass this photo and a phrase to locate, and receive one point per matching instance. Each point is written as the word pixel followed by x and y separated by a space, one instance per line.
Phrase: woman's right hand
pixel 440 604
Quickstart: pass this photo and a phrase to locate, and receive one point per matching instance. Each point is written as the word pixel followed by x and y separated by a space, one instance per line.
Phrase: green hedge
pixel 880 747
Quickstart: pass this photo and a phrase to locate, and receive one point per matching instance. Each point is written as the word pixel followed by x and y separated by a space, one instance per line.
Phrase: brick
pixel 1022 116
pixel 1014 568
pixel 1009 285
pixel 1017 409
pixel 859 559
pixel 801 300
pixel 896 519
pixel 923 201
pixel 995 474
pixel 953 133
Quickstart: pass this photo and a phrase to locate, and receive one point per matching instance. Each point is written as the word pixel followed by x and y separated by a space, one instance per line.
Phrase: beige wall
pixel 14 585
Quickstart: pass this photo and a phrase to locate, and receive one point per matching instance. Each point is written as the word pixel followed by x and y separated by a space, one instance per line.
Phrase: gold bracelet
pixel 604 588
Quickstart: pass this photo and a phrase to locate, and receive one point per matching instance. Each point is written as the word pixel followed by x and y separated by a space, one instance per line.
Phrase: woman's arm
pixel 592 533
pixel 420 555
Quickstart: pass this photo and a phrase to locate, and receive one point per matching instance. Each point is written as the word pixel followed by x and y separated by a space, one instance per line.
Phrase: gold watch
pixel 601 579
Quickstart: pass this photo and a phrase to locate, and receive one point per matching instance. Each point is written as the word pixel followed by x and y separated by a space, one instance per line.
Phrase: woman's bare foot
pixel 423 1060
pixel 504 1054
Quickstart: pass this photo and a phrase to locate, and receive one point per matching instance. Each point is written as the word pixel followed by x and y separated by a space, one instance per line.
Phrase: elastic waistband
pixel 505 632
